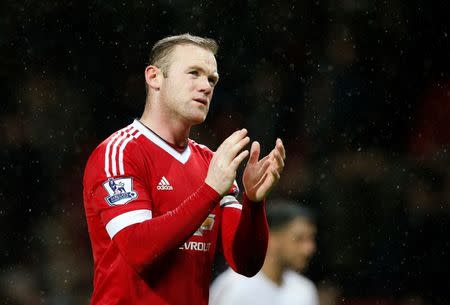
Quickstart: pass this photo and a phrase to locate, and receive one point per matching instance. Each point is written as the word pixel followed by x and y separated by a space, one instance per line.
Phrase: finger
pixel 259 170
pixel 264 167
pixel 236 148
pixel 236 136
pixel 266 184
pixel 261 185
pixel 236 161
pixel 271 179
pixel 264 159
pixel 280 147
pixel 228 151
pixel 276 175
pixel 279 160
pixel 254 153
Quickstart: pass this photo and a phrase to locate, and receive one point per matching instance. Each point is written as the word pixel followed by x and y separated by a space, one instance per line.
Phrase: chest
pixel 171 181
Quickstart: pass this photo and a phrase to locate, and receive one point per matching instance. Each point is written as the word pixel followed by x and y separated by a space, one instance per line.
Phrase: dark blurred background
pixel 358 90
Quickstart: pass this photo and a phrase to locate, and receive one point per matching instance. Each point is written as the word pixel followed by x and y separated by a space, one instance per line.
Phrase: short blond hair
pixel 161 52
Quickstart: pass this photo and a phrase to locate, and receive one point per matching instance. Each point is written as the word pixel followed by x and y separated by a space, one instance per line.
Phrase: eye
pixel 212 81
pixel 194 73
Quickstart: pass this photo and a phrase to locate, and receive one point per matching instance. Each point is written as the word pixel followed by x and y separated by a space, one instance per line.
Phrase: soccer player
pixel 291 245
pixel 153 241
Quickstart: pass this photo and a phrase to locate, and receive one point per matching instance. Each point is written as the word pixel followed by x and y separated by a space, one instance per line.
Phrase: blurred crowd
pixel 358 90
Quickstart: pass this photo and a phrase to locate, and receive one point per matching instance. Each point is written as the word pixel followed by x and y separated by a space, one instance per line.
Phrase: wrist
pixel 210 192
pixel 250 200
pixel 213 187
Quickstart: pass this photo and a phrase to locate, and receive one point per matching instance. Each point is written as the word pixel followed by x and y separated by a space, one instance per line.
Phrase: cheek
pixel 289 248
pixel 167 89
pixel 292 256
pixel 295 249
pixel 177 85
pixel 192 85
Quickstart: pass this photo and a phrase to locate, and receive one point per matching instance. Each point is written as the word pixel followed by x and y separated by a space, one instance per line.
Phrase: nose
pixel 205 86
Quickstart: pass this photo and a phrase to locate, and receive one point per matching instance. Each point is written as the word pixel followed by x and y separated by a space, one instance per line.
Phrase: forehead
pixel 301 226
pixel 192 55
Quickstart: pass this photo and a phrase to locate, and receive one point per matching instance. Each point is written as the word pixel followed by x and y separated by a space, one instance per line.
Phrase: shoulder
pixel 224 279
pixel 200 148
pixel 231 288
pixel 300 281
pixel 117 138
pixel 237 282
pixel 109 155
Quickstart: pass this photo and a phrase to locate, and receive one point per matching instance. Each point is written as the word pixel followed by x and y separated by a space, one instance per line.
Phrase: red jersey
pixel 154 223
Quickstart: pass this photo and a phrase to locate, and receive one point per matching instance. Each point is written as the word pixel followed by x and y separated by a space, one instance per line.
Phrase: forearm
pixel 144 243
pixel 245 237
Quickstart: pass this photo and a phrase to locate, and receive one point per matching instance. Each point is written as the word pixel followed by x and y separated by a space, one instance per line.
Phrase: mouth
pixel 203 101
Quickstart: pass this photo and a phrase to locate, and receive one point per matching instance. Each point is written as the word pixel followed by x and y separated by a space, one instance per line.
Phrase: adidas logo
pixel 164 185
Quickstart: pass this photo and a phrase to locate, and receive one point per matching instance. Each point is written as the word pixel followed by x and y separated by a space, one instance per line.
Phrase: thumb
pixel 254 153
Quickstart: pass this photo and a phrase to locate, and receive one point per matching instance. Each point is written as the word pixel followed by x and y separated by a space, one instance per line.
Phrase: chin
pixel 300 267
pixel 197 119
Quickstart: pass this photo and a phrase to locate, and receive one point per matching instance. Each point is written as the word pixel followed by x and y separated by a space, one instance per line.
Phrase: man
pixel 155 242
pixel 291 245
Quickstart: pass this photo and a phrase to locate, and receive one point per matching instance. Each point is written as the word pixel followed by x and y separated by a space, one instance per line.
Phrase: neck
pixel 170 129
pixel 273 270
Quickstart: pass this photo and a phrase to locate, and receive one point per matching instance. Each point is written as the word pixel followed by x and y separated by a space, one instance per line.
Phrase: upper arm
pixel 116 185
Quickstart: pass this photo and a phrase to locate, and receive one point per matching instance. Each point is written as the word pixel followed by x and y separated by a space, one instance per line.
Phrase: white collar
pixel 182 157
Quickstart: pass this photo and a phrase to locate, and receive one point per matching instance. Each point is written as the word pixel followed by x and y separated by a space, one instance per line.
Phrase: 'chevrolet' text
pixel 196 246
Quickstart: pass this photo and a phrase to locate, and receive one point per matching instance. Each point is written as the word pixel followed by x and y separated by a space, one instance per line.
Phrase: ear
pixel 153 77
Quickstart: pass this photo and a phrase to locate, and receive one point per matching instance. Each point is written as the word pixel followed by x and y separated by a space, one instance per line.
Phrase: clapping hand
pixel 260 176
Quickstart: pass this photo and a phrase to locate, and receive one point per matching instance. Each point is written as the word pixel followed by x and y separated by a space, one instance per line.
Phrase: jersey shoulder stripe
pixel 114 152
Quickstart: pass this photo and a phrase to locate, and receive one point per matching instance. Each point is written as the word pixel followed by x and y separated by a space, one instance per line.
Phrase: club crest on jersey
pixel 207 225
pixel 120 191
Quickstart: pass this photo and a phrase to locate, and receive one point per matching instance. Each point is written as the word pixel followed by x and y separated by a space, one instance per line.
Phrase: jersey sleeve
pixel 114 178
pixel 229 200
pixel 244 235
pixel 244 230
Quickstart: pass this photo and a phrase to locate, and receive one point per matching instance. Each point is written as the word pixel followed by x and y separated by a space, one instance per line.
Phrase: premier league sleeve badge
pixel 120 191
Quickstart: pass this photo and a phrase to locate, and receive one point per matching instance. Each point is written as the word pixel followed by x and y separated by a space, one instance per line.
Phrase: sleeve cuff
pixel 250 203
pixel 209 192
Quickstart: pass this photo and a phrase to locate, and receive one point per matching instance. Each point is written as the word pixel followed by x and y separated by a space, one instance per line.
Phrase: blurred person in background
pixel 329 293
pixel 18 286
pixel 291 246
pixel 156 201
